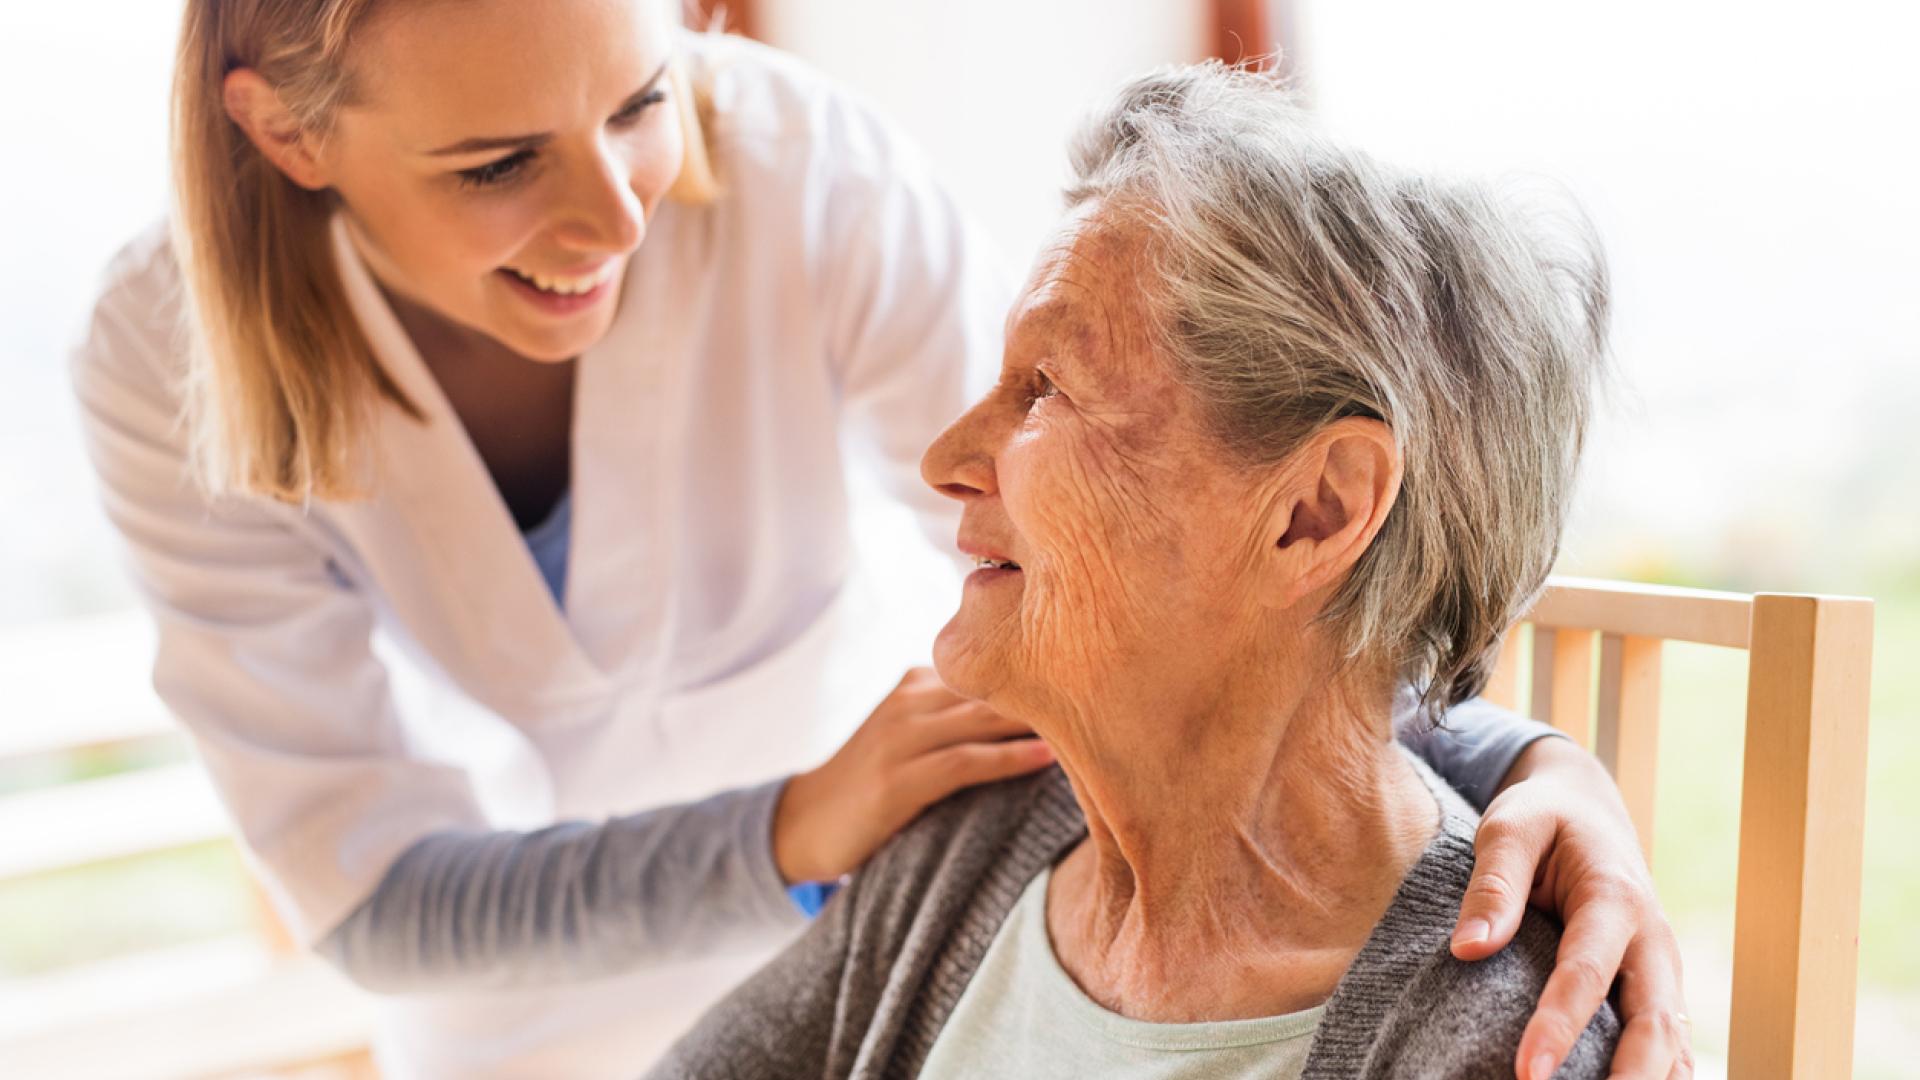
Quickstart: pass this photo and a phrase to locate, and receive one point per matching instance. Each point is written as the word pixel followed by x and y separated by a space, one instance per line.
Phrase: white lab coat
pixel 833 289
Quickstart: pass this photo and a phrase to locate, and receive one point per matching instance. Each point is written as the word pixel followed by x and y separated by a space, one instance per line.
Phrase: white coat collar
pixel 494 623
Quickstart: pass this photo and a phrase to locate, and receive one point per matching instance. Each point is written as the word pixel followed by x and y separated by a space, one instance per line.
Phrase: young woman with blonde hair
pixel 528 335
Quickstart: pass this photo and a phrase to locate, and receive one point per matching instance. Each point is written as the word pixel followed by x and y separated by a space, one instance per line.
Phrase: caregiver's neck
pixel 1251 833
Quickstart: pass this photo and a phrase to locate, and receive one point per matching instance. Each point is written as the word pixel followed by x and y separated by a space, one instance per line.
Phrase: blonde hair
pixel 281 378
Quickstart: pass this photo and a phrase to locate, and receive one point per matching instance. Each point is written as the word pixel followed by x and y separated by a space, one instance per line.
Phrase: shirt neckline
pixel 1031 911
pixel 542 531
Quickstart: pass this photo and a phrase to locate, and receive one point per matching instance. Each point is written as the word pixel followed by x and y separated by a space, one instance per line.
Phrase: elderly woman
pixel 1279 431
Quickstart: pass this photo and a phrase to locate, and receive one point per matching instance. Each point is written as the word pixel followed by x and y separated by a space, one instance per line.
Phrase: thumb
pixel 1505 858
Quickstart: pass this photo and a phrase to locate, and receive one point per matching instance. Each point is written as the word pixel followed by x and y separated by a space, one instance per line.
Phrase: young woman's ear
pixel 1334 498
pixel 255 106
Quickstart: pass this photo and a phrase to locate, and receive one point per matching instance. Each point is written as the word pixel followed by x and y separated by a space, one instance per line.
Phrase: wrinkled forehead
pixel 1086 301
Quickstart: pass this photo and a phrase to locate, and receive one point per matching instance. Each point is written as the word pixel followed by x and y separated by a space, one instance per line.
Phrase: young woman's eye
pixel 634 110
pixel 494 173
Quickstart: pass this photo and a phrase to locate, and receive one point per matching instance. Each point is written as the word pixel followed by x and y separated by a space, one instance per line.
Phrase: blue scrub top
pixel 549 541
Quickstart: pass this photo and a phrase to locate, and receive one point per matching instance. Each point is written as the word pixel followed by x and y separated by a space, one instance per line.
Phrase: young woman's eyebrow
pixel 482 143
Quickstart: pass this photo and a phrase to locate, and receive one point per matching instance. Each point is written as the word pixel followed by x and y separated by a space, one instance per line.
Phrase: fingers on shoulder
pixel 1657 1039
pixel 1515 831
pixel 966 764
pixel 1507 854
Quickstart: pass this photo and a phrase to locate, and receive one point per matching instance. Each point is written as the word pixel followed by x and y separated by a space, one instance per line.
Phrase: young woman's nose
pixel 959 464
pixel 603 213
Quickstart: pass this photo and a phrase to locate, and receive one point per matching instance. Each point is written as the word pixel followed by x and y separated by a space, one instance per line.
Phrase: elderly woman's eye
pixel 1042 387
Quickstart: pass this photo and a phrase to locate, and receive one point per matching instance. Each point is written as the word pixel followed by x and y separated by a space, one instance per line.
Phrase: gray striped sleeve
pixel 574 901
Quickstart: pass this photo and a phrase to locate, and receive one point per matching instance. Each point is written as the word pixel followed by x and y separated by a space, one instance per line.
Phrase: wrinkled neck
pixel 1259 837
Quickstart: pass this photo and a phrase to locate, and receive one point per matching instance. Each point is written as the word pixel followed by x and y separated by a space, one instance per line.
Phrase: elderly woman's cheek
pixel 1070 638
pixel 1117 477
pixel 1083 610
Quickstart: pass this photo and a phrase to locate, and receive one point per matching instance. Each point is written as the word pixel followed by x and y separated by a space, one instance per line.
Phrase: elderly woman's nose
pixel 959 464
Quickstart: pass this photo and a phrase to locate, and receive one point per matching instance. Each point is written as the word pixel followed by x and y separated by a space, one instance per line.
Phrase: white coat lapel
pixel 442 545
pixel 629 455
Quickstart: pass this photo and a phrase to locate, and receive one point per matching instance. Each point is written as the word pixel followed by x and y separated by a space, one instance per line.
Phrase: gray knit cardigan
pixel 865 992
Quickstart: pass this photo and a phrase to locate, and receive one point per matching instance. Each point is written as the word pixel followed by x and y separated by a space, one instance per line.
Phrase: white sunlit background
pixel 1749 165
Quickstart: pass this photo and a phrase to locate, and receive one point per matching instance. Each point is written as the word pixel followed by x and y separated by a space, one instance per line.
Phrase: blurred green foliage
pixel 147 901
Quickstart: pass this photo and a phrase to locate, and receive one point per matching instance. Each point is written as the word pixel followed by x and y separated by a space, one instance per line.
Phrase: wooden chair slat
pixel 1626 733
pixel 1563 680
pixel 1802 813
pixel 1503 689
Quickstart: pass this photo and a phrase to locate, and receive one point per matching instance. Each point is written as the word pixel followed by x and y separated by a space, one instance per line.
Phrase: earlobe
pixel 255 107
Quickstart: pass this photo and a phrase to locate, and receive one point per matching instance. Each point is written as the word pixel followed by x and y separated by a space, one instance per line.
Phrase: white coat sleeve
pixel 264 656
pixel 917 301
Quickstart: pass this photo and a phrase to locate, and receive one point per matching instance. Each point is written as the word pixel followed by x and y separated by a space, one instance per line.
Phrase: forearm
pixel 574 901
pixel 1478 749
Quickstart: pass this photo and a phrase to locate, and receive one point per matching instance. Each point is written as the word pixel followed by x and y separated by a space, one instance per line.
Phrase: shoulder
pixel 806 166
pixel 1021 820
pixel 873 976
pixel 142 280
pixel 1408 1008
pixel 1466 1019
pixel 942 886
pixel 769 109
pixel 818 187
pixel 137 317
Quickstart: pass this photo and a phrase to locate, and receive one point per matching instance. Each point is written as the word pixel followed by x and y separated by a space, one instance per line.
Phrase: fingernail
pixel 1542 1067
pixel 1473 933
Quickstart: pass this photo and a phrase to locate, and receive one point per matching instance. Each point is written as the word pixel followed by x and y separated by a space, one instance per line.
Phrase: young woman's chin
pixel 552 350
pixel 552 344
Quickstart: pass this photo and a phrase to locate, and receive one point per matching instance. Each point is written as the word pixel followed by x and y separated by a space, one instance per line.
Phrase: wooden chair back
pixel 1802 804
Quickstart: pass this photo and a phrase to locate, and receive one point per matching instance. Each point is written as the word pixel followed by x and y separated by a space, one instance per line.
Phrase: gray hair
pixel 1298 281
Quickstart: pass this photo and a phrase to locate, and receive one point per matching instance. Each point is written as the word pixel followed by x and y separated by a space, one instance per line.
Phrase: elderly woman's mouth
pixel 987 570
pixel 986 555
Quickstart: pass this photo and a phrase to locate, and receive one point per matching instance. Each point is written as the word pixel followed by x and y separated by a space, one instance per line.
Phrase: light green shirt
pixel 1023 1015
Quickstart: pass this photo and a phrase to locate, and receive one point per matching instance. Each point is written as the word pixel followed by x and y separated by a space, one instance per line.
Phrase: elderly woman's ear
pixel 1334 495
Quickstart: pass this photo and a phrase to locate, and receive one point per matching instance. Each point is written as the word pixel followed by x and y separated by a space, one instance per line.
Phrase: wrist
pixel 790 856
pixel 1560 760
pixel 1544 755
